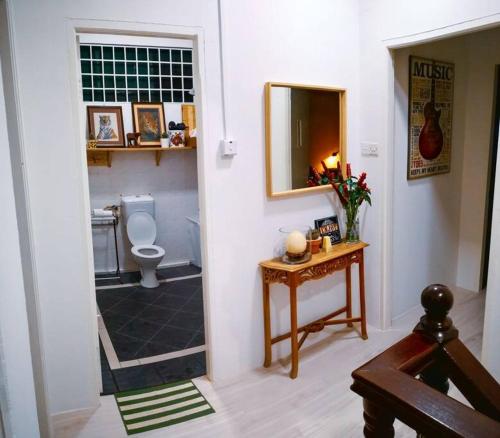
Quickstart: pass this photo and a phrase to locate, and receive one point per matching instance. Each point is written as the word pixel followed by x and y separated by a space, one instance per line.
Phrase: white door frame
pixel 470 26
pixel 79 26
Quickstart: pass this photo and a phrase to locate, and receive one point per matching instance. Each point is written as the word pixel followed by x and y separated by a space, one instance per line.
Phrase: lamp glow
pixel 332 160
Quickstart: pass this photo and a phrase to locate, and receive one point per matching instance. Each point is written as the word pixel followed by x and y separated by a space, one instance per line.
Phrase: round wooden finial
pixel 437 301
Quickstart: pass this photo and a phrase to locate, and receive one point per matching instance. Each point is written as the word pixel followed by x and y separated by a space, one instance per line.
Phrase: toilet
pixel 138 214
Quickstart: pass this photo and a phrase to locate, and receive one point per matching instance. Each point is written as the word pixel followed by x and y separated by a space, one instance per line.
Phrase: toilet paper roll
pixel 100 212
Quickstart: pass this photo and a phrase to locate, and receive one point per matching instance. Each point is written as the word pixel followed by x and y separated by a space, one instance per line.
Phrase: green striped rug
pixel 160 406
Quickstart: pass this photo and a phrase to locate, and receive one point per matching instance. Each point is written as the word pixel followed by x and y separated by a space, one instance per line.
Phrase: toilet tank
pixel 134 203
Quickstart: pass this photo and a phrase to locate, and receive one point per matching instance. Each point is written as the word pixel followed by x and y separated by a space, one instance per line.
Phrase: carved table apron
pixel 340 258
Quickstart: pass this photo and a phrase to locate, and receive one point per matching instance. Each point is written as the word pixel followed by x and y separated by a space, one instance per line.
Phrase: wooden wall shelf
pixel 103 156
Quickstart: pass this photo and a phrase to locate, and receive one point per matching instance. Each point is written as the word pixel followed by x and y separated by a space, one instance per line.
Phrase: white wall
pixel 426 211
pixel 17 388
pixel 483 53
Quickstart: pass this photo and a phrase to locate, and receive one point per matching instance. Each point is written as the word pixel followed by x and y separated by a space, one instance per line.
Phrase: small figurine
pixel 133 139
pixel 91 142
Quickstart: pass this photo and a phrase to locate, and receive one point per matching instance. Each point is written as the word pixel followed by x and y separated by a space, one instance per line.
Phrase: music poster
pixel 430 114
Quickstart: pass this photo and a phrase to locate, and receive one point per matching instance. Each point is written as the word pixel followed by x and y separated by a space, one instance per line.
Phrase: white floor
pixel 267 404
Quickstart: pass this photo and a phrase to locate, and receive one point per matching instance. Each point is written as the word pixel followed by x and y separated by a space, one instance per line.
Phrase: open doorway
pixel 139 104
pixel 491 179
pixel 439 221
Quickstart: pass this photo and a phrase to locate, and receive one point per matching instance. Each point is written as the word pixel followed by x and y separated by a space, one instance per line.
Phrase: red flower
pixel 362 178
pixel 348 170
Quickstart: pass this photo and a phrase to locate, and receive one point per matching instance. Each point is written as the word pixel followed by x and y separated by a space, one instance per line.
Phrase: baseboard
pixel 407 314
pixel 162 265
pixel 71 416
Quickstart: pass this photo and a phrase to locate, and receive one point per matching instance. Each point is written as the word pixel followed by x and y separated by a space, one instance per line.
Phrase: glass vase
pixel 352 231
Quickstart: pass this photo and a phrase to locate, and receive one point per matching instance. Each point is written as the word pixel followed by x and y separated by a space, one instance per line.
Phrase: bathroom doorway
pixel 144 207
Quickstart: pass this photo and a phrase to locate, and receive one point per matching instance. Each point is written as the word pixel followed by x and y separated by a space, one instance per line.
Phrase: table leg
pixel 362 305
pixel 267 325
pixel 293 326
pixel 348 301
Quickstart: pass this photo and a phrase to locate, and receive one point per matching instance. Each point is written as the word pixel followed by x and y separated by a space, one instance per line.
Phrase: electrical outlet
pixel 229 148
pixel 369 148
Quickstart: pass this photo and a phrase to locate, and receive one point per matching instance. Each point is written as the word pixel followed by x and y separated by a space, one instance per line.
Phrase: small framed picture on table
pixel 329 226
pixel 105 124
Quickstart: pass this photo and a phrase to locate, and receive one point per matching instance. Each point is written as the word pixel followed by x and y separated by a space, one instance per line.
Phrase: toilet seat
pixel 141 228
pixel 148 251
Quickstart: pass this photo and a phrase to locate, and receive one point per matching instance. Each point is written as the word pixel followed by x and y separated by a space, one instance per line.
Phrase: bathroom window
pixel 112 73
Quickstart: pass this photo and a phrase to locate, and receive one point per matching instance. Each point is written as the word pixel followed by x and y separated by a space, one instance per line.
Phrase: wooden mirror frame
pixel 342 138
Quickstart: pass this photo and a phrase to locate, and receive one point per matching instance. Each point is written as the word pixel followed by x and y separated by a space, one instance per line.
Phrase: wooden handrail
pixel 409 381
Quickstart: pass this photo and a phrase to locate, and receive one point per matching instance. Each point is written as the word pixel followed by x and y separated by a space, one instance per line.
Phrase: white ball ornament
pixel 296 242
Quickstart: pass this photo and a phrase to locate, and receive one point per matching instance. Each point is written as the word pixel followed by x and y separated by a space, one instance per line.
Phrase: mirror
pixel 305 137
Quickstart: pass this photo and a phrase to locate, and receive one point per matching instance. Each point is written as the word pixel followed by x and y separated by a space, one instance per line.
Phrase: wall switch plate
pixel 229 148
pixel 369 148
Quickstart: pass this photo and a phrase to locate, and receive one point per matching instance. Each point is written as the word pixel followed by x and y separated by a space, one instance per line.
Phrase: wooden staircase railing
pixel 409 381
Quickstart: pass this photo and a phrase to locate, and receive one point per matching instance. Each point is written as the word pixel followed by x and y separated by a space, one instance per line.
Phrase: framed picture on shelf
pixel 329 226
pixel 149 121
pixel 105 123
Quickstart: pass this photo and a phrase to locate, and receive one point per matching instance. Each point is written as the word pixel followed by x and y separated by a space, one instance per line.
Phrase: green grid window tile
pixel 153 54
pixel 176 69
pixel 188 97
pixel 188 83
pixel 164 55
pixel 131 81
pixel 132 96
pixel 187 70
pixel 155 96
pixel 107 52
pixel 186 56
pixel 176 55
pixel 108 67
pixel 96 67
pixel 165 69
pixel 120 68
pixel 98 96
pixel 96 52
pixel 130 53
pixel 110 95
pixel 85 65
pixel 87 95
pixel 166 96
pixel 143 82
pixel 120 81
pixel 97 81
pixel 142 54
pixel 154 82
pixel 109 81
pixel 84 52
pixel 144 96
pixel 119 53
pixel 166 83
pixel 121 96
pixel 177 83
pixel 86 81
pixel 177 96
pixel 142 68
pixel 131 68
pixel 154 69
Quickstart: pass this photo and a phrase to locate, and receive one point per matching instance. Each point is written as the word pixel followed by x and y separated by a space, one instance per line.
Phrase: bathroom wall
pixel 174 186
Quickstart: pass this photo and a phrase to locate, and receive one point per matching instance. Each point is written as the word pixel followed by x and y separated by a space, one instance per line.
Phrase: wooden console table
pixel 340 258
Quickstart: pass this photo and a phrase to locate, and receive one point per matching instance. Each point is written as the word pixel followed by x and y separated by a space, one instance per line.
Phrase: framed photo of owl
pixel 106 125
pixel 149 121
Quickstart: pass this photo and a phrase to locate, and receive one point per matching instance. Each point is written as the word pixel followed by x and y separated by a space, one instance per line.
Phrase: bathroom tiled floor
pixel 148 322
pixel 143 376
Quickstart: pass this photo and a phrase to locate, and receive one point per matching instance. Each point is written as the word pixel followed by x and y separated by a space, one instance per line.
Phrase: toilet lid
pixel 141 228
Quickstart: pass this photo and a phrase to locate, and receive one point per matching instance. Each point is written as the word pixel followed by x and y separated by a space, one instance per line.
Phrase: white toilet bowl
pixel 148 257
pixel 141 230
